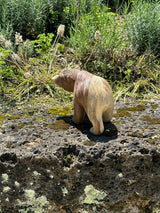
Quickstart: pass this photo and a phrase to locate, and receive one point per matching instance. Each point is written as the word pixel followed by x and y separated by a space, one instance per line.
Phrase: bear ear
pixel 78 67
pixel 65 74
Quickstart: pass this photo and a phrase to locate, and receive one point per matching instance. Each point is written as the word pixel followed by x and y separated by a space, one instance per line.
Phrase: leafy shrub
pixel 34 17
pixel 26 16
pixel 5 71
pixel 28 75
pixel 14 58
pixel 108 56
pixel 82 35
pixel 43 43
pixel 143 27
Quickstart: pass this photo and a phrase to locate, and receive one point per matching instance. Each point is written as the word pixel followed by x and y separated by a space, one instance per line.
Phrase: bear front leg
pixel 79 113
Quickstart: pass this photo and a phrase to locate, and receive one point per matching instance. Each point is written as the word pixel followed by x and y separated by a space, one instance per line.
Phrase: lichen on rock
pixel 93 196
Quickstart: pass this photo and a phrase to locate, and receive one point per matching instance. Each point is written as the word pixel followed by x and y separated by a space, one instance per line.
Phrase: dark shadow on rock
pixel 110 130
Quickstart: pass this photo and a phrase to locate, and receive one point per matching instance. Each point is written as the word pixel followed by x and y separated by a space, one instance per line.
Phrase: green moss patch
pixel 59 110
pixel 118 122
pixel 30 110
pixel 29 114
pixel 2 117
pixel 17 127
pixel 10 117
pixel 9 145
pixel 42 119
pixel 89 143
pixel 139 107
pixel 122 112
pixel 154 106
pixel 58 125
pixel 153 140
pixel 150 120
pixel 135 134
pixel 68 159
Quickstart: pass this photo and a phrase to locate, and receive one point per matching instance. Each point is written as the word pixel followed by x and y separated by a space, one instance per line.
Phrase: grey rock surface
pixel 49 164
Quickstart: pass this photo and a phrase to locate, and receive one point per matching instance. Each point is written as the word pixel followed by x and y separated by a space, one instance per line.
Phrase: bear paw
pixel 96 132
pixel 93 132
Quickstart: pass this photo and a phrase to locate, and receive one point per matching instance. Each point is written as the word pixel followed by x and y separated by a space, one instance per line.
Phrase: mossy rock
pixel 42 119
pixel 93 196
pixel 150 120
pixel 139 107
pixel 2 117
pixel 59 110
pixel 68 159
pixel 135 134
pixel 12 117
pixel 153 140
pixel 154 106
pixel 29 114
pixel 9 116
pixel 118 122
pixel 17 127
pixel 89 143
pixel 58 125
pixel 121 112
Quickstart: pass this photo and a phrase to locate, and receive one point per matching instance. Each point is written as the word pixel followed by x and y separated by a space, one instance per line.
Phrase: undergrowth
pixel 143 27
pixel 123 48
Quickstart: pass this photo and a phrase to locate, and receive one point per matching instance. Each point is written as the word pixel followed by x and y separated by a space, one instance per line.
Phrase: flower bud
pixel 8 44
pixel 27 75
pixel 60 30
pixel 97 35
pixel 2 39
pixel 18 39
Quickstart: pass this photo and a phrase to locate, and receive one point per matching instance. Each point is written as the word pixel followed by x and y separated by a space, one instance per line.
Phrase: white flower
pixel 8 44
pixel 16 57
pixel 60 30
pixel 2 39
pixel 26 43
pixel 27 75
pixel 18 39
pixel 97 35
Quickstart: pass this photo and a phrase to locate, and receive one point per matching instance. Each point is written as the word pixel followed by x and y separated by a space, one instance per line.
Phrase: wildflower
pixel 27 75
pixel 2 39
pixel 60 30
pixel 8 44
pixel 16 57
pixel 1 55
pixel 97 35
pixel 18 39
pixel 26 43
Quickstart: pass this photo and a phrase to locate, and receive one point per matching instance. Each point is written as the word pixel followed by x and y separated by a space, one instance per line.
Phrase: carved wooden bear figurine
pixel 92 94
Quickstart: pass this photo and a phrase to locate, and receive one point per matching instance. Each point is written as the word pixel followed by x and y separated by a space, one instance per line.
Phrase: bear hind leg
pixel 107 115
pixel 97 122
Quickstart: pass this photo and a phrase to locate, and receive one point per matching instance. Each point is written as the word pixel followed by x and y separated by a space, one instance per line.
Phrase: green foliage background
pixel 127 53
